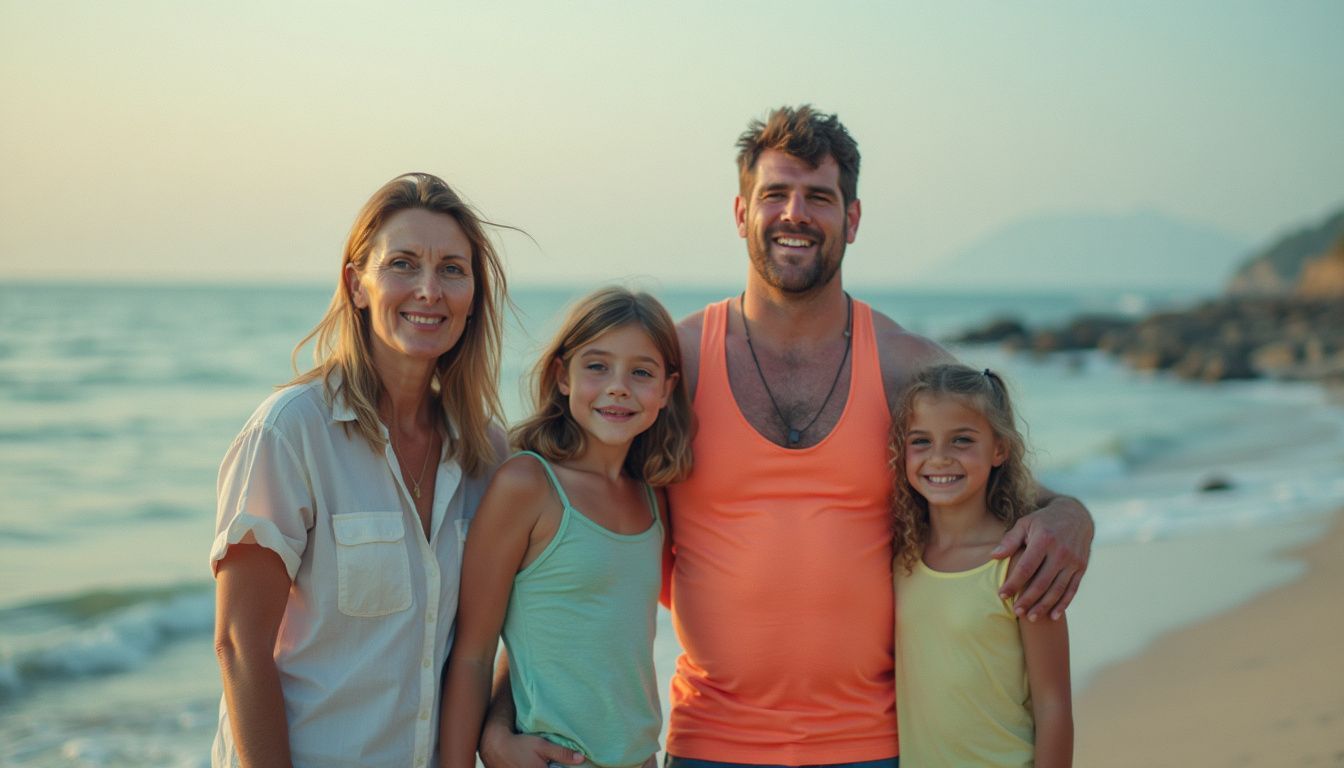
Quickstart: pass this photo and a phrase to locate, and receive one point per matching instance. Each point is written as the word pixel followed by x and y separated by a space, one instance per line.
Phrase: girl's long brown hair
pixel 661 454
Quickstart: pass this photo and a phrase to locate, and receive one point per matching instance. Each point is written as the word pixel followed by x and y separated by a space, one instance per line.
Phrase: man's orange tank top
pixel 781 584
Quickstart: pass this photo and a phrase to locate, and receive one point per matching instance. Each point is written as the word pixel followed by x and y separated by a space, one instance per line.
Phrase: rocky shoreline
pixel 1221 339
pixel 1281 317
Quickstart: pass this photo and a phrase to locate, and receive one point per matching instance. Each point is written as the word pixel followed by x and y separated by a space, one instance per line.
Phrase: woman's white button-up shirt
pixel 370 614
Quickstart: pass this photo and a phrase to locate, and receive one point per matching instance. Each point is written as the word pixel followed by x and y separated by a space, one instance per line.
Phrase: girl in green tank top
pixel 564 556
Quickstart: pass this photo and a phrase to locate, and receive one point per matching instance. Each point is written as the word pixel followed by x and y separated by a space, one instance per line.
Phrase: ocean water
pixel 118 401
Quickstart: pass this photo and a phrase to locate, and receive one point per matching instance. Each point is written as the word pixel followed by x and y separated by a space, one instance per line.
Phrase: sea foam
pixel 97 633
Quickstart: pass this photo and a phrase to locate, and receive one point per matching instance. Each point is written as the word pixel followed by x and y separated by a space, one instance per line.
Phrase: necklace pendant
pixel 795 436
pixel 416 491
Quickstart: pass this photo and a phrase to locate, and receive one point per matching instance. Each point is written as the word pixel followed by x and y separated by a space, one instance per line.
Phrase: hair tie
pixel 987 373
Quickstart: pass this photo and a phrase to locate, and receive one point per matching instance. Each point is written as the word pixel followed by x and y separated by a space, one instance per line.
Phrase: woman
pixel 337 550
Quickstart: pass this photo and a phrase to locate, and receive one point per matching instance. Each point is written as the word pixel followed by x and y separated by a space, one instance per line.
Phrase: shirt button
pixel 426 664
pixel 429 616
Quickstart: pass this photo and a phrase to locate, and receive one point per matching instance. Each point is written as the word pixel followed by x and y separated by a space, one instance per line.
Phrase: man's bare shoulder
pixel 903 353
pixel 688 330
pixel 688 334
pixel 909 349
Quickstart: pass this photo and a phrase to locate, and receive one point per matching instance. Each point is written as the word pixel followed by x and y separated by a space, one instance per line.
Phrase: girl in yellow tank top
pixel 974 686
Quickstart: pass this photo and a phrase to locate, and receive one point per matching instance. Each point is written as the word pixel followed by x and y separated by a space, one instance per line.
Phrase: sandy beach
pixel 1260 685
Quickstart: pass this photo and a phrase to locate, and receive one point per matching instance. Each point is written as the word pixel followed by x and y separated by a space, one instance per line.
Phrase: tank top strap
pixel 555 481
pixel 713 374
pixel 653 502
pixel 867 362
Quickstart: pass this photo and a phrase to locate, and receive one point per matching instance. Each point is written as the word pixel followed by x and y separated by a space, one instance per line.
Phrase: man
pixel 780 584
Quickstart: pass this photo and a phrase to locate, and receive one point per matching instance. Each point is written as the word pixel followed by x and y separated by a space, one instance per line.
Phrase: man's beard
pixel 795 279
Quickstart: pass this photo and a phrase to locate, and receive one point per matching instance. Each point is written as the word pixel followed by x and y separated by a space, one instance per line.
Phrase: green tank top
pixel 579 631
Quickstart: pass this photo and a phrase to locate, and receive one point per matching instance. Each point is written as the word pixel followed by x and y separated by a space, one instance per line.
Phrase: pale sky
pixel 189 140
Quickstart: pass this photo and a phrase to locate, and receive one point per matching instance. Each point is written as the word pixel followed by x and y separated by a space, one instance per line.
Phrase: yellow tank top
pixel 961 677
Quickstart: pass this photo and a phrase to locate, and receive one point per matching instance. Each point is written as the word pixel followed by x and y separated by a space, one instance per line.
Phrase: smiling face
pixel 795 221
pixel 615 385
pixel 416 286
pixel 950 450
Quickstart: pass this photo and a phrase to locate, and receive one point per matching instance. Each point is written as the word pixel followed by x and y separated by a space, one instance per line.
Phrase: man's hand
pixel 502 748
pixel 1058 543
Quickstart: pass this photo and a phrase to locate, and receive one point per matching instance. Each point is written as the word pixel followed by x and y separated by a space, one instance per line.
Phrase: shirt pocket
pixel 373 568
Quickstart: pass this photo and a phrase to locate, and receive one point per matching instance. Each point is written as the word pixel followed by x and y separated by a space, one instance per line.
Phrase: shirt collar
pixel 341 410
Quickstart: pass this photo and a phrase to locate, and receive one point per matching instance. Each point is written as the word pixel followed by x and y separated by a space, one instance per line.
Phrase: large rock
pixel 1277 358
pixel 1278 268
pixel 1283 317
pixel 1218 340
pixel 1083 332
pixel 1007 330
pixel 1323 277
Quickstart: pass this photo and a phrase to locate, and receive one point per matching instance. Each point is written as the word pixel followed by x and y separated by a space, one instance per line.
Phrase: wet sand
pixel 1260 685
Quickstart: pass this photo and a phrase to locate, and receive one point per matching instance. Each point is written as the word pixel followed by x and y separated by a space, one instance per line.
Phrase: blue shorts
pixel 670 761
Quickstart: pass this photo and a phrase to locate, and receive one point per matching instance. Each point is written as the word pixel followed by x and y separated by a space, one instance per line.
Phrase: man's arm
pixel 1057 537
pixel 688 334
pixel 502 748
pixel 1056 544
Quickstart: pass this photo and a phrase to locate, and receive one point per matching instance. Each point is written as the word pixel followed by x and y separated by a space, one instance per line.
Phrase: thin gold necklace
pixel 795 436
pixel 415 484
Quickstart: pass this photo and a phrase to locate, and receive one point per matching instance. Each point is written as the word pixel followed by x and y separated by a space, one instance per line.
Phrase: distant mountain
pixel 1306 261
pixel 1138 250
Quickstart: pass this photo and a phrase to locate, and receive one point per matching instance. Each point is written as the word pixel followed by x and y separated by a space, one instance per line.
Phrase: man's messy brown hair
pixel 806 134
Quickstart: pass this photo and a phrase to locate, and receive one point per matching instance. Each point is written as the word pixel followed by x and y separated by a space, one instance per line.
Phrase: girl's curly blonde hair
pixel 1010 493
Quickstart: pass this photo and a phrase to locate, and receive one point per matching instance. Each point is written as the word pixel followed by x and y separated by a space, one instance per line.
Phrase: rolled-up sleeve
pixel 265 497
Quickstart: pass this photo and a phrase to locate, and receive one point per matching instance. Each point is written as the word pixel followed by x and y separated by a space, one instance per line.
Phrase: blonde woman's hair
pixel 1010 493
pixel 661 454
pixel 466 377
